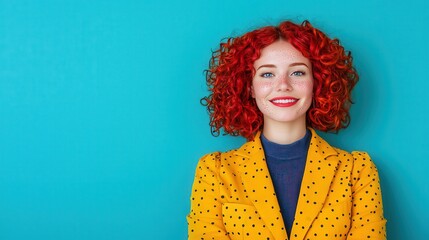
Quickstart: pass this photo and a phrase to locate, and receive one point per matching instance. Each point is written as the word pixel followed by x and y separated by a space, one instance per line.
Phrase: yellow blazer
pixel 233 196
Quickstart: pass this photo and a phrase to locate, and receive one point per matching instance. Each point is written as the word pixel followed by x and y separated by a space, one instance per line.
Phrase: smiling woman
pixel 275 86
pixel 280 69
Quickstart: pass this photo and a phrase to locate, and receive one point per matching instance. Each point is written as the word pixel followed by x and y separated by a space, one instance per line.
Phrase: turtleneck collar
pixel 286 151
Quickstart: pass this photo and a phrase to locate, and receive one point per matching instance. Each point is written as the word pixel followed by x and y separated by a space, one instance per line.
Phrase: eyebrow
pixel 297 64
pixel 290 65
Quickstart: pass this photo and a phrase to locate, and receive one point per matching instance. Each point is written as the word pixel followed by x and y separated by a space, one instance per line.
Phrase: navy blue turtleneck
pixel 286 164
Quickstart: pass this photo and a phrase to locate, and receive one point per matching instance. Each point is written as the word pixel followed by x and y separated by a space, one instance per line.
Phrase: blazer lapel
pixel 315 185
pixel 258 184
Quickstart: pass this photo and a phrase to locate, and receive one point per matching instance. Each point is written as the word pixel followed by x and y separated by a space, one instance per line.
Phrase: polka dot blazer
pixel 233 196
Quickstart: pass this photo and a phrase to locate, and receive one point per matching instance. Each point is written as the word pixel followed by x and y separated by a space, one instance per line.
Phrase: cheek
pixel 261 89
pixel 305 87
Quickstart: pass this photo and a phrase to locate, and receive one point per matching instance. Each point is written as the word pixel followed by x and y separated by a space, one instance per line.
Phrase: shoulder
pixel 208 162
pixel 355 162
pixel 218 159
pixel 231 160
pixel 360 159
pixel 213 158
pixel 364 168
pixel 321 145
pixel 359 166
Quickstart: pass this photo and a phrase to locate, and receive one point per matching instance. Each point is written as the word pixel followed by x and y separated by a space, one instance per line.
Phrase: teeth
pixel 284 100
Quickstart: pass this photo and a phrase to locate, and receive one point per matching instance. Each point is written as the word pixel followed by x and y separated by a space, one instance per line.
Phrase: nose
pixel 284 84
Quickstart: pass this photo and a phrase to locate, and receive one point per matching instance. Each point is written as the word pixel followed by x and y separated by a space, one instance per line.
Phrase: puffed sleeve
pixel 368 221
pixel 205 218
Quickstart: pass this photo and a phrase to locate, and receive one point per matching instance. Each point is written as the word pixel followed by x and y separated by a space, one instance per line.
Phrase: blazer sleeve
pixel 205 218
pixel 367 217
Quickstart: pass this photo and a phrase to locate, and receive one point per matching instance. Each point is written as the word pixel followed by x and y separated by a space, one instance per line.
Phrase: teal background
pixel 101 126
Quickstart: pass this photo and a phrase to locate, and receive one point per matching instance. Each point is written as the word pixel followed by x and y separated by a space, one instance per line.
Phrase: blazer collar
pixel 258 183
pixel 259 186
pixel 320 169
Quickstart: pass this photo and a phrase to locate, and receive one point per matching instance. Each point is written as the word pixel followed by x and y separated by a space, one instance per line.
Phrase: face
pixel 283 84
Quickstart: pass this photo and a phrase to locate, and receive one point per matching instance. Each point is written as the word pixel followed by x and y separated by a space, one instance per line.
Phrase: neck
pixel 284 133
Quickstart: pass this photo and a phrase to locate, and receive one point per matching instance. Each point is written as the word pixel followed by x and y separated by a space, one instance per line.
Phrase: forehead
pixel 280 52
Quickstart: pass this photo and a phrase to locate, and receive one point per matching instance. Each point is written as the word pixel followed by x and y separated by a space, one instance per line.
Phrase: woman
pixel 274 86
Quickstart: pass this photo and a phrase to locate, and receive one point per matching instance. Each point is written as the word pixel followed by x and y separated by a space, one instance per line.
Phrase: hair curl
pixel 229 79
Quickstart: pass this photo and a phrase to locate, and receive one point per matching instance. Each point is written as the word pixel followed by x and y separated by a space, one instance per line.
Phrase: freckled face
pixel 283 83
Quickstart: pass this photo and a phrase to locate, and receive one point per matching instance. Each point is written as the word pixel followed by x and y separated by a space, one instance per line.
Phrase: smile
pixel 284 101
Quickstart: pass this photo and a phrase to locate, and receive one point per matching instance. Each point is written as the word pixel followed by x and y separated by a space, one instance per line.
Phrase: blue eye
pixel 298 73
pixel 267 75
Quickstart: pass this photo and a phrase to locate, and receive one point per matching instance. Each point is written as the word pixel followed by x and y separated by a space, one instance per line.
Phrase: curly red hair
pixel 231 71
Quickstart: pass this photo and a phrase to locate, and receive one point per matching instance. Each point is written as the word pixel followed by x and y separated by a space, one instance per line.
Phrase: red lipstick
pixel 284 101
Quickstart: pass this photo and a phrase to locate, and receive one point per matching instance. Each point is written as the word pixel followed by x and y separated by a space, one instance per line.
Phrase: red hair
pixel 230 74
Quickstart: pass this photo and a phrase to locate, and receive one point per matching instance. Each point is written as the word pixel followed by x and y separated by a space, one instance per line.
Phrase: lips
pixel 284 101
